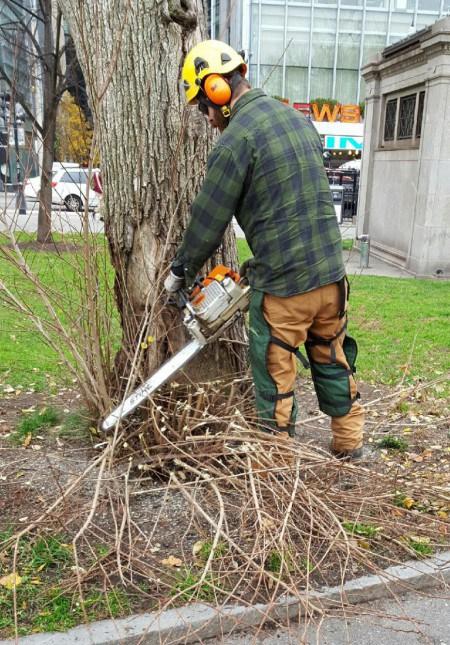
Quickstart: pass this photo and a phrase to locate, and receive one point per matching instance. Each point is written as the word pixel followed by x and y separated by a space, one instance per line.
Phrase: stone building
pixel 405 181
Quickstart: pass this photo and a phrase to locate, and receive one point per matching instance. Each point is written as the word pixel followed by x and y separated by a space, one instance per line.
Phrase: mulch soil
pixel 30 477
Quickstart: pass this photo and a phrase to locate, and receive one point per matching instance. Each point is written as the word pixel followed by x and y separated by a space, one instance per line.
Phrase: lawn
pixel 401 325
pixel 26 360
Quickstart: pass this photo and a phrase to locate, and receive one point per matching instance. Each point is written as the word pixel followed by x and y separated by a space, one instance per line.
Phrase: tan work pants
pixel 290 319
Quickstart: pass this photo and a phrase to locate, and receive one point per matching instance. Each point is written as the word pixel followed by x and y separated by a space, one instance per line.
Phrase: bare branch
pixel 21 98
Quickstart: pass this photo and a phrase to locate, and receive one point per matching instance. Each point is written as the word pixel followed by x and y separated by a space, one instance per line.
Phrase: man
pixel 267 170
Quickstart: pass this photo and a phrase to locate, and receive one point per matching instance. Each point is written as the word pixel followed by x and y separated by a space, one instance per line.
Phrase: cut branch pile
pixel 216 511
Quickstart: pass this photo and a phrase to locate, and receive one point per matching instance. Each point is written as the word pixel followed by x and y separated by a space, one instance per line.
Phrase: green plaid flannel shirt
pixel 267 170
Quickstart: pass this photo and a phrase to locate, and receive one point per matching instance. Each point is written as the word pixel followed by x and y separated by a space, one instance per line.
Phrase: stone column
pixel 429 246
pixel 371 138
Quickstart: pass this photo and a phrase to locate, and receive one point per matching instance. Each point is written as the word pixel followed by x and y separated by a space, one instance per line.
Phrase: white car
pixel 69 187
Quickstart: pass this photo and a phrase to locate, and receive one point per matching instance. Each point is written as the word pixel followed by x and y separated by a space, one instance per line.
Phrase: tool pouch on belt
pixel 332 381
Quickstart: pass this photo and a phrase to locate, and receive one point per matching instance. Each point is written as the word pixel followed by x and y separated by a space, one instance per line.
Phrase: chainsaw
pixel 211 307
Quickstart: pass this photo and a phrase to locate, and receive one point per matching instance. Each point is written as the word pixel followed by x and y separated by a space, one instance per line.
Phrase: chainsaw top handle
pixel 182 297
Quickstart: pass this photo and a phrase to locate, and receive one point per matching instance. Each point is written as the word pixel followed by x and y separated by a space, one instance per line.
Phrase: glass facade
pixel 14 57
pixel 16 81
pixel 306 50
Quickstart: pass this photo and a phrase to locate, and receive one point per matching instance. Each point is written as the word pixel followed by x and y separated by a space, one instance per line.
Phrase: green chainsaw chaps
pixel 332 381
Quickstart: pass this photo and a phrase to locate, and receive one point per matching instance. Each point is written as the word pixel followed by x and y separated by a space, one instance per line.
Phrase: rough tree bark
pixel 153 151
pixel 50 106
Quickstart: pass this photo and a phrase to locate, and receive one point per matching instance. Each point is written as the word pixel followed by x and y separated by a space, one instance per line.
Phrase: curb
pixel 196 622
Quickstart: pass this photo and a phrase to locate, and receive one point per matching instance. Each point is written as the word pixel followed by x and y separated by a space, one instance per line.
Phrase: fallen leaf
pixel 197 547
pixel 10 581
pixel 420 539
pixel 26 442
pixel 172 561
pixel 397 512
pixel 268 523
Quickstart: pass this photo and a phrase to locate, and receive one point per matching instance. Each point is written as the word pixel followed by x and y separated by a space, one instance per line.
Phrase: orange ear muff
pixel 217 89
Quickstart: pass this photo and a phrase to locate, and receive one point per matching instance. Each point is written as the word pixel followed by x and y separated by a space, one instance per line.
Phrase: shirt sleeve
pixel 212 209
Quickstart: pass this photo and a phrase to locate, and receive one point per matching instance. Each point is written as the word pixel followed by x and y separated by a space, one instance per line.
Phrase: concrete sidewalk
pixel 376 266
pixel 416 620
pixel 67 222
pixel 63 221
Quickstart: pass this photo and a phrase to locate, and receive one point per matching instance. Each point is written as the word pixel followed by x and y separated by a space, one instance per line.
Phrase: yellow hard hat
pixel 208 57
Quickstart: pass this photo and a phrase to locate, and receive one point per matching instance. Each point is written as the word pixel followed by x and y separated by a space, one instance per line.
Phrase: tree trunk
pixel 44 230
pixel 50 104
pixel 153 151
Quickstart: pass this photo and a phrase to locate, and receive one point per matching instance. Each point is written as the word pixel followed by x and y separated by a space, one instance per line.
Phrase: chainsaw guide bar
pixel 211 307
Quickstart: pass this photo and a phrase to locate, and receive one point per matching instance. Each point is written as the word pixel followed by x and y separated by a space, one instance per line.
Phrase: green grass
pixel 205 550
pixel 187 586
pixel 244 252
pixel 401 326
pixel 26 360
pixel 44 563
pixel 34 423
pixel 362 530
pixel 75 425
pixel 71 425
pixel 393 443
pixel 421 548
pixel 278 560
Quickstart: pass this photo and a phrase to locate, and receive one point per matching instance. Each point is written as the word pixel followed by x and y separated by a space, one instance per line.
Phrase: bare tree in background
pixel 153 151
pixel 37 34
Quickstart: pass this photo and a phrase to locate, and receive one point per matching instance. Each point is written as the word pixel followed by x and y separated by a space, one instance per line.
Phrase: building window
pixel 420 114
pixel 403 115
pixel 389 123
pixel 405 127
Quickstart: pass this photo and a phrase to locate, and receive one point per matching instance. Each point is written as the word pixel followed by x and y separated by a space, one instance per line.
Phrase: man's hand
pixel 173 282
